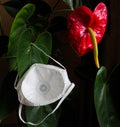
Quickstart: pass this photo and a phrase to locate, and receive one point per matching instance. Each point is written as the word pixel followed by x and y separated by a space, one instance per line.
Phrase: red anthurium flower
pixel 86 28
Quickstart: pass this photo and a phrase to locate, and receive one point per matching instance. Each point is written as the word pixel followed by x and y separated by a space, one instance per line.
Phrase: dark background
pixel 81 112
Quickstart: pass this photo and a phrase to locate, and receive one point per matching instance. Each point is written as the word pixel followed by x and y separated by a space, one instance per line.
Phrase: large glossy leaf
pixel 36 114
pixel 44 42
pixel 27 54
pixel 105 109
pixel 73 3
pixel 24 51
pixel 19 24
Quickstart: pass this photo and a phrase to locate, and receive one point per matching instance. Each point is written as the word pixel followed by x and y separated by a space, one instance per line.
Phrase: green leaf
pixel 24 58
pixel 20 23
pixel 69 3
pixel 105 110
pixel 44 42
pixel 36 114
pixel 27 54
pixel 73 3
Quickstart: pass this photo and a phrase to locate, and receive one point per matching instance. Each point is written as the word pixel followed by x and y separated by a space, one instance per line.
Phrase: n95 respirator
pixel 43 84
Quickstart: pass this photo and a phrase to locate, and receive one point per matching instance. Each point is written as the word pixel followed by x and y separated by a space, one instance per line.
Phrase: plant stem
pixel 95 47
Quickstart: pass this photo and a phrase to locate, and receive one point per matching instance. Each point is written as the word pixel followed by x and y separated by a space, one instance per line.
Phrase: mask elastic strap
pixel 47 55
pixel 44 54
pixel 59 103
pixel 16 79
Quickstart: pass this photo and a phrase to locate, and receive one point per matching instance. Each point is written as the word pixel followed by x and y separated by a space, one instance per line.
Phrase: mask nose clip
pixel 42 85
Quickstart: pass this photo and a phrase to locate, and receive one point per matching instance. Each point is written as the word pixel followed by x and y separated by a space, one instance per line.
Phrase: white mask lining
pixel 59 103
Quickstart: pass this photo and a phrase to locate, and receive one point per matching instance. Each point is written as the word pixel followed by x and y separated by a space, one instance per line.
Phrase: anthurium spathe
pixel 86 29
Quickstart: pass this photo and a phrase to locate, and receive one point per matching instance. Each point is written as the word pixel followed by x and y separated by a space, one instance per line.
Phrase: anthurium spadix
pixel 43 84
pixel 86 29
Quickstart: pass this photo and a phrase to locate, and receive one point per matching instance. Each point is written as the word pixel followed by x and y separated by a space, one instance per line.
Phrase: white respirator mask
pixel 43 84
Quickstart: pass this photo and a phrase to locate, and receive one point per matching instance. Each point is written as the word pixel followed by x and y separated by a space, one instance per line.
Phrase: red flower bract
pixel 80 20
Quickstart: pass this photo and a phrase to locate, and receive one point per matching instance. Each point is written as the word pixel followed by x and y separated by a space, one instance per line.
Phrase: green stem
pixel 95 47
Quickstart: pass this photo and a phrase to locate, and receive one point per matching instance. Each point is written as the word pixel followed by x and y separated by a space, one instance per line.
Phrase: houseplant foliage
pixel 18 53
pixel 104 96
pixel 33 25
